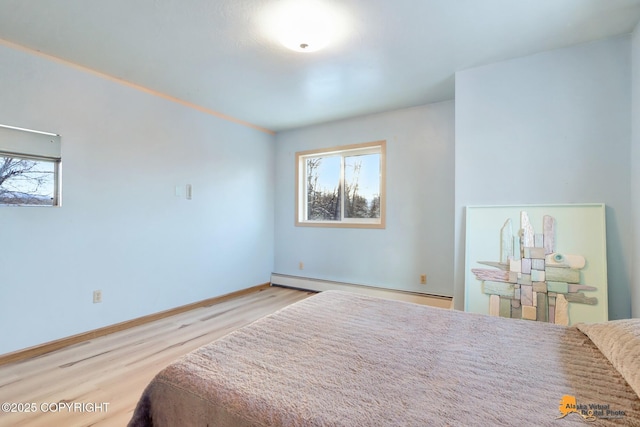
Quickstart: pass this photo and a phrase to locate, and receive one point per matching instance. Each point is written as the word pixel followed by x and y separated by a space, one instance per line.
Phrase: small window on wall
pixel 29 167
pixel 342 186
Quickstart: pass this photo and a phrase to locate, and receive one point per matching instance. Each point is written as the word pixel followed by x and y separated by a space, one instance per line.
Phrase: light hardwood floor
pixel 115 369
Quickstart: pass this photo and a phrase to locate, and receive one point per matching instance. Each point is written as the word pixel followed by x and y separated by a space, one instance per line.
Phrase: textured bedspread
pixel 339 359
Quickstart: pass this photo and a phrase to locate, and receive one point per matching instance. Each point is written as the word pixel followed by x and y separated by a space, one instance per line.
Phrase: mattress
pixel 341 359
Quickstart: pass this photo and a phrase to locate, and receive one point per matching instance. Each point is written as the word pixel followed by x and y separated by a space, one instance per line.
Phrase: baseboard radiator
pixel 320 285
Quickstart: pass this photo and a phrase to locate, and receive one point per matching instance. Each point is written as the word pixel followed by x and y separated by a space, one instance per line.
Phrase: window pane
pixel 362 186
pixel 323 188
pixel 341 186
pixel 27 182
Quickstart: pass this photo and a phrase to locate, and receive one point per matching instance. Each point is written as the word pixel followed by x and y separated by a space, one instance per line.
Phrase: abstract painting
pixel 540 263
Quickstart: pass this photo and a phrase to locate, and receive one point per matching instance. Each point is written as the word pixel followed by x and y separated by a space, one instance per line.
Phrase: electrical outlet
pixel 301 265
pixel 423 279
pixel 97 296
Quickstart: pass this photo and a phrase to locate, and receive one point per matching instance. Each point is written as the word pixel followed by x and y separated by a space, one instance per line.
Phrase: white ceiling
pixel 217 54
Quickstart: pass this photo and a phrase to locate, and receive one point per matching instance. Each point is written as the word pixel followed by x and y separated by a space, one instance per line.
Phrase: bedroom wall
pixel 121 228
pixel 418 237
pixel 635 169
pixel 550 128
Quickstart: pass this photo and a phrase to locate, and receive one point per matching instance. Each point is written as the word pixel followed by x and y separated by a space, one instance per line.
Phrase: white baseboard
pixel 320 285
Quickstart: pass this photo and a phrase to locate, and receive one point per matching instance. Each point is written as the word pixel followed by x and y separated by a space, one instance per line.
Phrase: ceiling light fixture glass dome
pixel 305 25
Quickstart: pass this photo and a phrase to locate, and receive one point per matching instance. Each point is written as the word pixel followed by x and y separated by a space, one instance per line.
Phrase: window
pixel 342 186
pixel 29 167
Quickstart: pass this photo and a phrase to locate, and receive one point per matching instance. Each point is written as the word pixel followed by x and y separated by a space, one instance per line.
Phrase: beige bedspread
pixel 339 359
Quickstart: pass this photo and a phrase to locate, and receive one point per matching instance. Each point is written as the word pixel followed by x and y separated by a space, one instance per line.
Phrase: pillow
pixel 619 341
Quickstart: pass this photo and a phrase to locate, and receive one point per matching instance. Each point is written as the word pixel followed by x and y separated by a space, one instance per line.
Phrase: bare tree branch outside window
pixel 26 181
pixel 359 204
pixel 324 202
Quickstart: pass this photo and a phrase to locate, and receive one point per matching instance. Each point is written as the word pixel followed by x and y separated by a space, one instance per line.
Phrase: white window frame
pixel 377 147
pixel 40 146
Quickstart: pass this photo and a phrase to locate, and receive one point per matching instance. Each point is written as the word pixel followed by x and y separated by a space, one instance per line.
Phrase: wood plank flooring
pixel 115 369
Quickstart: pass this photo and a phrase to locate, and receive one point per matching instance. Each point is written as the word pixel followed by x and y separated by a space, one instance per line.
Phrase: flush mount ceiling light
pixel 305 25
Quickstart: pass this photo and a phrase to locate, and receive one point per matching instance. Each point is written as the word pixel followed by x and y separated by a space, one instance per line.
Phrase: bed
pixel 341 359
